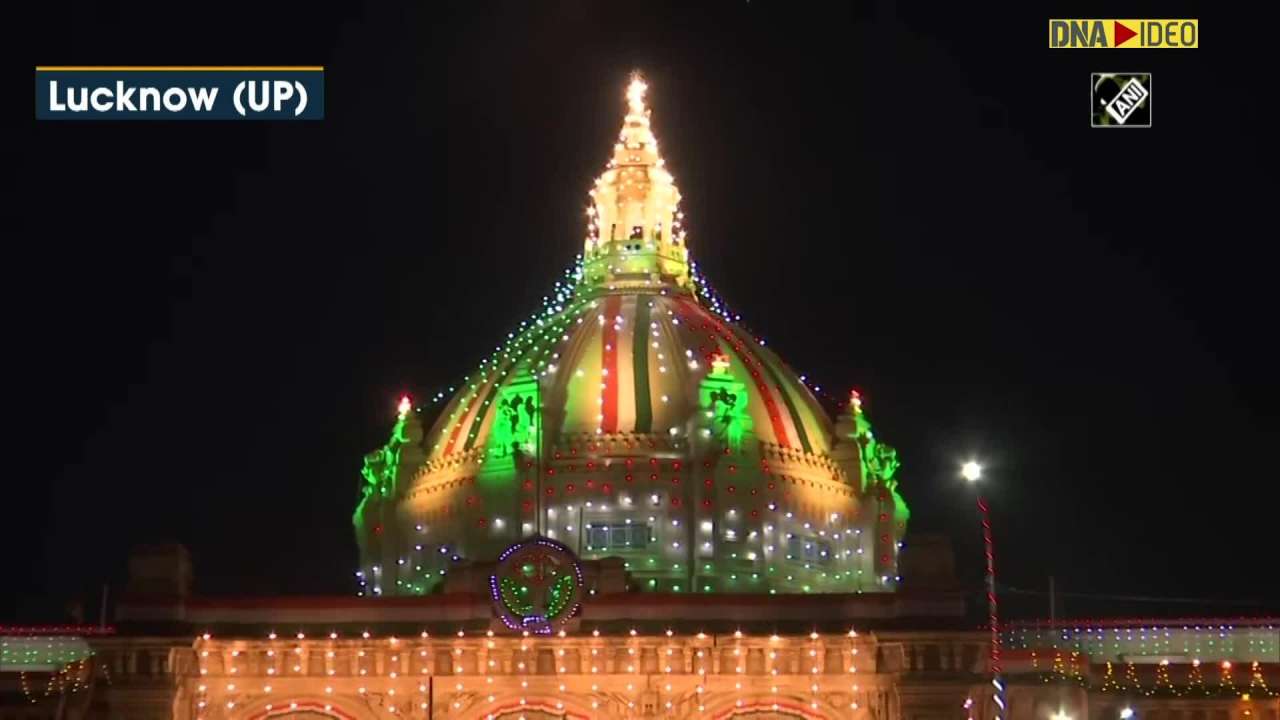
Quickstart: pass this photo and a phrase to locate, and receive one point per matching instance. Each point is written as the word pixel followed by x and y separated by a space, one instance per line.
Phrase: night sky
pixel 209 323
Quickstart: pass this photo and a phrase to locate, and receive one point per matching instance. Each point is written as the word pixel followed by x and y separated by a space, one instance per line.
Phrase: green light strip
pixel 640 366
pixel 791 406
pixel 530 339
pixel 483 412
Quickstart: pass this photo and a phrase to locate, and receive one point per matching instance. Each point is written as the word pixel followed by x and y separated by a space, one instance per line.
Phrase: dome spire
pixel 635 237
pixel 635 94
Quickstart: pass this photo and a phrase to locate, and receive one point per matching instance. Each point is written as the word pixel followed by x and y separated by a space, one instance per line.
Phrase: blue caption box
pixel 179 93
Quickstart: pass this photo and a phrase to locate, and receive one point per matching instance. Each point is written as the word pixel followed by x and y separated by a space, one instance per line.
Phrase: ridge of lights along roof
pixel 718 305
pixel 564 297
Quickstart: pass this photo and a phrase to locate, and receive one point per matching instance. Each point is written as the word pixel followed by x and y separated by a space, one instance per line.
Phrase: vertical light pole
pixel 972 473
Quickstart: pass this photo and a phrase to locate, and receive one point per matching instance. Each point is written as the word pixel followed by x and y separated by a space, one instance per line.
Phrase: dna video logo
pixel 1124 34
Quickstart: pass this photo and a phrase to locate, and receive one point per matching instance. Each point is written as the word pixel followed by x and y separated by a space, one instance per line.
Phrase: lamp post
pixel 971 471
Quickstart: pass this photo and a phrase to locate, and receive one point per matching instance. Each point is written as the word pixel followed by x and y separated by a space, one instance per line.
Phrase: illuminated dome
pixel 632 418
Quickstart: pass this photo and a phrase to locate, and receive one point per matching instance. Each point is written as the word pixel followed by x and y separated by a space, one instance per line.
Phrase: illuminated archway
pixel 768 709
pixel 301 710
pixel 530 709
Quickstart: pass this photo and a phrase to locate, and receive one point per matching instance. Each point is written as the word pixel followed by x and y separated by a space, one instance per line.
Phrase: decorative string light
pixel 1109 681
pixel 1226 682
pixel 1210 640
pixel 1195 680
pixel 1131 677
pixel 1163 682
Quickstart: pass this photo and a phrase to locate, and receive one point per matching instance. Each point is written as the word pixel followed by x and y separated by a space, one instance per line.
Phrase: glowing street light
pixel 1126 713
pixel 971 471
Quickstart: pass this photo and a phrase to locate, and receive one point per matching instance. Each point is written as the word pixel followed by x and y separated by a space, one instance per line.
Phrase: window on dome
pixel 631 536
pixel 637 232
pixel 619 537
pixel 808 549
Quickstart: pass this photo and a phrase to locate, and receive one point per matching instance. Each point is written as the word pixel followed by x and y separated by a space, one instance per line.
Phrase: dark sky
pixel 209 323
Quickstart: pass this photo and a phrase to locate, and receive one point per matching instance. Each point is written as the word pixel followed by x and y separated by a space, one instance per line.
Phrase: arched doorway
pixel 768 709
pixel 527 715
pixel 529 709
pixel 301 710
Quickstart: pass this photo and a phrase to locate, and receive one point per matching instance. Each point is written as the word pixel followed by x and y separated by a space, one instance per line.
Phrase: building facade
pixel 632 509
pixel 909 655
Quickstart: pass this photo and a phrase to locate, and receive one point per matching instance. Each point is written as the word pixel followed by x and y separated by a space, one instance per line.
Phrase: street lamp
pixel 1126 713
pixel 971 471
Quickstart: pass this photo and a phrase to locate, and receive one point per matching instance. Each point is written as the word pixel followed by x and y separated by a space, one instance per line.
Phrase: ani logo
pixel 1121 100
pixel 536 586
